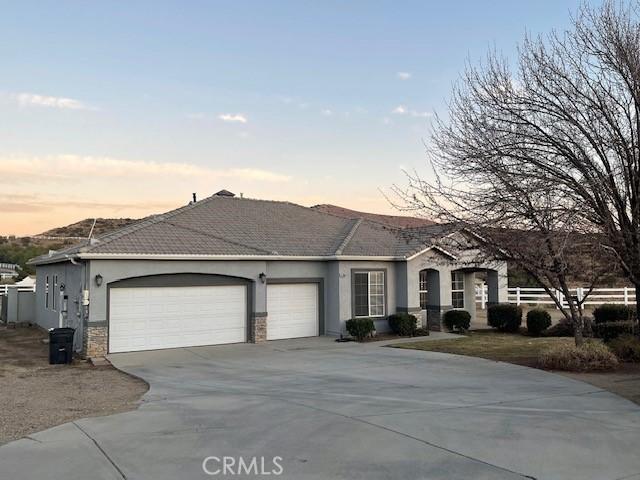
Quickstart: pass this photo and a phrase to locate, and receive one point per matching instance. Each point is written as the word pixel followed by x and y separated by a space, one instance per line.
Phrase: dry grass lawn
pixel 524 350
pixel 35 395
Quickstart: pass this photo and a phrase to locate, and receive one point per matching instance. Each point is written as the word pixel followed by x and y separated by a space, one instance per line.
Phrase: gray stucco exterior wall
pixel 72 278
pixel 401 285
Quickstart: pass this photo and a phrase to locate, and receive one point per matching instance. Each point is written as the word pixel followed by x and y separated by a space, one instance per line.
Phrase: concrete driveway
pixel 341 411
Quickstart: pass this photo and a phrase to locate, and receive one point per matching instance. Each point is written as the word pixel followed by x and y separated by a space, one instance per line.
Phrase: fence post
pixel 517 295
pixel 560 298
pixel 580 294
pixel 626 295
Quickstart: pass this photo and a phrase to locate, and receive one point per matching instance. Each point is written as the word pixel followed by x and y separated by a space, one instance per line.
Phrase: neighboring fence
pixel 538 296
pixel 18 306
pixel 4 289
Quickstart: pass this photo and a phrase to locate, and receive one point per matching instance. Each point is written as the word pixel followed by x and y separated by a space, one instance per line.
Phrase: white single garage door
pixel 148 318
pixel 292 310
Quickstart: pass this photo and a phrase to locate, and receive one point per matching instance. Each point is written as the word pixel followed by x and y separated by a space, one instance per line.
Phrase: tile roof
pixel 398 221
pixel 232 226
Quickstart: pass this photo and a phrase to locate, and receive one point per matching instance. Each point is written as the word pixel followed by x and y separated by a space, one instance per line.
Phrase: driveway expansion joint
pixel 411 437
pixel 105 454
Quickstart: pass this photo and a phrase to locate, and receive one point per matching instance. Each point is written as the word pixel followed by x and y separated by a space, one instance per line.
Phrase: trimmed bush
pixel 538 320
pixel 607 331
pixel 613 313
pixel 626 347
pixel 564 328
pixel 403 324
pixel 505 317
pixel 360 328
pixel 591 356
pixel 459 320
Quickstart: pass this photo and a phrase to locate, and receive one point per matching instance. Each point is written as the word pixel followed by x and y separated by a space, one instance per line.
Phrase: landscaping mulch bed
pixel 524 350
pixel 35 395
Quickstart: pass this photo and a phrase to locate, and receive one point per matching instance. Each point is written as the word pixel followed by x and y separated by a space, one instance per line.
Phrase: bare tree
pixel 550 148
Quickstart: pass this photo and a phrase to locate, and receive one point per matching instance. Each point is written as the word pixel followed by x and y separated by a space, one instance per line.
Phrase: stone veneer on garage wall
pixel 258 328
pixel 95 340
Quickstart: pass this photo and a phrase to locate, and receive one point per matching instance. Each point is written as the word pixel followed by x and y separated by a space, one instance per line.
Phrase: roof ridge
pixel 364 215
pixel 334 215
pixel 345 241
pixel 233 242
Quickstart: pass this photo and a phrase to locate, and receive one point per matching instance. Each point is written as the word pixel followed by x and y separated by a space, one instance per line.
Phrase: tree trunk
pixel 578 327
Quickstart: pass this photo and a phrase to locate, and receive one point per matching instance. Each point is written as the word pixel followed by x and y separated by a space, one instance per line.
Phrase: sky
pixel 123 109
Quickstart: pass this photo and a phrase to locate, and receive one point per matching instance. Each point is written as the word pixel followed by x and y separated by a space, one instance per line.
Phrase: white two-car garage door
pixel 292 310
pixel 148 318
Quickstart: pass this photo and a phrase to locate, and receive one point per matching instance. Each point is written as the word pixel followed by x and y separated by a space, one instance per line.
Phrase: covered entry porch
pixel 443 289
pixel 437 283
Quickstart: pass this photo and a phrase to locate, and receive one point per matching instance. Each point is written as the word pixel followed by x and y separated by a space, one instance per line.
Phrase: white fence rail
pixel 5 288
pixel 538 296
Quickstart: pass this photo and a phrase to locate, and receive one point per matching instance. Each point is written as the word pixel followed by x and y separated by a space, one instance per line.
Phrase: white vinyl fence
pixel 5 288
pixel 538 296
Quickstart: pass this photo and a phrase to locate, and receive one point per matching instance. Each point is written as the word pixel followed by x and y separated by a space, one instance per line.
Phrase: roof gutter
pixel 137 256
pixel 54 259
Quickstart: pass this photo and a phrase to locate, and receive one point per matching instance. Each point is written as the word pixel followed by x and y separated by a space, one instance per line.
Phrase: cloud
pixel 40 192
pixel 46 204
pixel 403 110
pixel 326 112
pixel 403 75
pixel 62 168
pixel 233 118
pixel 63 103
pixel 413 113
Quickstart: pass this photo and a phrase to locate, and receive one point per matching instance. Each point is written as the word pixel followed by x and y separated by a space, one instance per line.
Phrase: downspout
pixel 82 304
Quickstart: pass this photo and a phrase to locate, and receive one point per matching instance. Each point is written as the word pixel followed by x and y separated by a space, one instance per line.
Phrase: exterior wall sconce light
pixel 98 279
pixel 263 277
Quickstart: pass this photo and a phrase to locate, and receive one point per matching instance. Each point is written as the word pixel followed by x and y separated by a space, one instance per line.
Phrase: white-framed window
pixel 54 296
pixel 457 289
pixel 369 294
pixel 423 290
pixel 46 291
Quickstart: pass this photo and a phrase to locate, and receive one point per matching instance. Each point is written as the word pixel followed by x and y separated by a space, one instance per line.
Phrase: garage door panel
pixel 169 317
pixel 292 311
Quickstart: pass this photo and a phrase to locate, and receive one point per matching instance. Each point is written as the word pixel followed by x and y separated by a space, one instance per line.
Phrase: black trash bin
pixel 61 345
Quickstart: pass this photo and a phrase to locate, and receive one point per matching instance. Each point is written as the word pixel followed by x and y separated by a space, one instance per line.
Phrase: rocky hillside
pixel 83 227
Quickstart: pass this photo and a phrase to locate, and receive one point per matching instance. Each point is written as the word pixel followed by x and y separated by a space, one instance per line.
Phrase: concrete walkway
pixel 346 410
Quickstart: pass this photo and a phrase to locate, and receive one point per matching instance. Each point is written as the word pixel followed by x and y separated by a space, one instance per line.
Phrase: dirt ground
pixel 625 381
pixel 35 395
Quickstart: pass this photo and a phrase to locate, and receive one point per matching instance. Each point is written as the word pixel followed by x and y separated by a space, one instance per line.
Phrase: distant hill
pixel 397 221
pixel 82 228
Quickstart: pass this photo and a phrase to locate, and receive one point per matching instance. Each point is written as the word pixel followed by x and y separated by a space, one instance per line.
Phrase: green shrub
pixel 564 328
pixel 403 324
pixel 607 331
pixel 457 320
pixel 420 332
pixel 505 317
pixel 626 347
pixel 360 328
pixel 538 320
pixel 613 313
pixel 591 356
